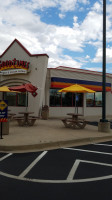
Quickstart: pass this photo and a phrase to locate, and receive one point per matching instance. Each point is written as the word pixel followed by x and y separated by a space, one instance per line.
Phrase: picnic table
pixel 74 121
pixel 26 119
pixel 10 115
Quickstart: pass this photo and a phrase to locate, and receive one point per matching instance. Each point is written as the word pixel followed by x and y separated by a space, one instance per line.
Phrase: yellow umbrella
pixel 76 89
pixel 5 89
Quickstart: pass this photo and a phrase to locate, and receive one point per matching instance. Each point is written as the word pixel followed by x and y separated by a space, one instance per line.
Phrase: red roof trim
pixel 23 48
pixel 81 71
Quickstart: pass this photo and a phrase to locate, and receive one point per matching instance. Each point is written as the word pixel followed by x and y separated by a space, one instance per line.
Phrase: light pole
pixel 104 125
pixel 104 66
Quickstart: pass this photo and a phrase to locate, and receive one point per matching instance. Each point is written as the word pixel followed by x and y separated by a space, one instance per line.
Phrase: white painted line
pixel 56 181
pixel 96 163
pixel 76 164
pixel 107 145
pixel 6 156
pixel 73 170
pixel 89 151
pixel 32 164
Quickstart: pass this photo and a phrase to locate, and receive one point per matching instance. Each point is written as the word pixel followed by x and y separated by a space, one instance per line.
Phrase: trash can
pixel 5 128
pixel 45 112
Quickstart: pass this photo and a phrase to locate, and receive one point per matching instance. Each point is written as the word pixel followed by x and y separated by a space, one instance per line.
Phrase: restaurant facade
pixel 18 66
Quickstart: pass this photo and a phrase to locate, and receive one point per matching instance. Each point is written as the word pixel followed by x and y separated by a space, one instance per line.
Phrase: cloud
pixel 20 19
pixel 99 55
pixel 98 69
pixel 66 5
pixel 66 61
pixel 61 15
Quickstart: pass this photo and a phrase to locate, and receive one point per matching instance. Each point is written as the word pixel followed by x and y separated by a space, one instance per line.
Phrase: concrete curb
pixel 54 145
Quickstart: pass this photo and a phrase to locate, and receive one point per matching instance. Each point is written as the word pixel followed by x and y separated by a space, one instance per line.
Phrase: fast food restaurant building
pixel 18 66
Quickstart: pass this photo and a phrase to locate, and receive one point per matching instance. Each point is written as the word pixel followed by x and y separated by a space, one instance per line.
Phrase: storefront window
pixel 15 99
pixel 94 99
pixel 11 97
pixel 98 99
pixel 22 99
pixel 90 99
pixel 78 99
pixel 55 97
pixel 65 99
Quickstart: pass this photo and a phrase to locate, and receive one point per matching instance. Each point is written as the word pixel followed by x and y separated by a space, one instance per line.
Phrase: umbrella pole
pixel 26 100
pixel 76 107
pixel 75 103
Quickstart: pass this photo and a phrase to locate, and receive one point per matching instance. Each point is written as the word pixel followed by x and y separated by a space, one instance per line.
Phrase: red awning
pixel 28 87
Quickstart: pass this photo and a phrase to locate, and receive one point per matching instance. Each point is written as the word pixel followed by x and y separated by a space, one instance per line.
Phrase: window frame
pixel 94 101
pixel 16 100
pixel 61 103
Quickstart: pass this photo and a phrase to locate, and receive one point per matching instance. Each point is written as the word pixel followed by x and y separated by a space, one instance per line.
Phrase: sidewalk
pixel 49 134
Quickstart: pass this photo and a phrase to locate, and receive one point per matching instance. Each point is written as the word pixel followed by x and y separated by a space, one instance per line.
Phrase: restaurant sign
pixel 3 110
pixel 14 66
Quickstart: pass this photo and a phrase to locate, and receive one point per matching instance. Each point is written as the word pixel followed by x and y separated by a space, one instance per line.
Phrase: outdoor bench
pixel 11 116
pixel 32 119
pixel 20 120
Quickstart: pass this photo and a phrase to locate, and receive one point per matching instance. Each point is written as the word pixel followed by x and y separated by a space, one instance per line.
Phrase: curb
pixel 54 145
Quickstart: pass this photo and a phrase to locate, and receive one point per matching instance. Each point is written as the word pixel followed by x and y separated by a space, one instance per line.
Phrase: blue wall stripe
pixel 66 80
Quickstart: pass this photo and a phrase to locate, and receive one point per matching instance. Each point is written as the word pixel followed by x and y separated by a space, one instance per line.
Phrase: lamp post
pixel 104 65
pixel 104 125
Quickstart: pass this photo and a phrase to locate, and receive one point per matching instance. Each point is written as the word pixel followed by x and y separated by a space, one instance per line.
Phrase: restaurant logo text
pixel 13 66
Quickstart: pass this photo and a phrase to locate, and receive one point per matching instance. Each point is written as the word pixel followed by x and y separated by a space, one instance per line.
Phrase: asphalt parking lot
pixel 82 172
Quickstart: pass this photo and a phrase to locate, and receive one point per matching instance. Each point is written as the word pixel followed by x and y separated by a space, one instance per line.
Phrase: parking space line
pixel 107 145
pixel 32 164
pixel 89 151
pixel 6 156
pixel 97 163
pixel 73 170
pixel 56 181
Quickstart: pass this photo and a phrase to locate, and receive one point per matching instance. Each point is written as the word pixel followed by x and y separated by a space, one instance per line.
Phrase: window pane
pixel 98 99
pixel 66 99
pixel 78 100
pixel 55 97
pixel 90 99
pixel 11 97
pixel 21 99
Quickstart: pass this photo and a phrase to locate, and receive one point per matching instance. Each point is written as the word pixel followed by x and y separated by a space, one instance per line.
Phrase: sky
pixel 69 31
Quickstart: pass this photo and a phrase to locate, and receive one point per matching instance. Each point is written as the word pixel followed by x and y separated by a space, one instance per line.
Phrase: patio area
pixel 49 134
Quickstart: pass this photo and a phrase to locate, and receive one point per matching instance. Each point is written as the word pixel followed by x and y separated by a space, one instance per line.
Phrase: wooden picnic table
pixel 11 115
pixel 26 120
pixel 74 121
pixel 74 116
pixel 26 116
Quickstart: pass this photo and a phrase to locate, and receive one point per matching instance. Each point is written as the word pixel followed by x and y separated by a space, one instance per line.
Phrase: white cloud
pixel 99 55
pixel 66 5
pixel 61 15
pixel 97 7
pixel 98 69
pixel 18 19
pixel 62 5
pixel 66 61
pixel 87 57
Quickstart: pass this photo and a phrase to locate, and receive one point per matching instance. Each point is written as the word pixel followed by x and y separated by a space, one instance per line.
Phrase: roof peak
pixel 15 40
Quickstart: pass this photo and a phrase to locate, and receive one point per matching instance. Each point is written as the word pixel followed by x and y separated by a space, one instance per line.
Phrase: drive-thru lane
pixel 75 172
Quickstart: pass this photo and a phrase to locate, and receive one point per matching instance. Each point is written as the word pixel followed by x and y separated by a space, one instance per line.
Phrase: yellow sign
pixel 3 105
